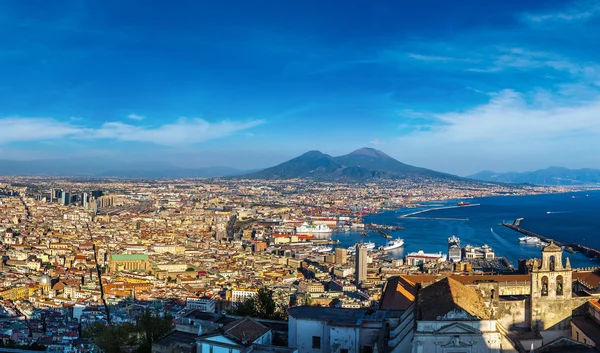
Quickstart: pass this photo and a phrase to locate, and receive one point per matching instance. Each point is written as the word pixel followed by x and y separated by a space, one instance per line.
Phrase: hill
pixel 549 176
pixel 364 163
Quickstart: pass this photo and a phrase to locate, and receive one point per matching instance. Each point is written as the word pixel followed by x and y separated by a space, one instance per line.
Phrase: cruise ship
pixel 312 229
pixel 393 244
pixel 454 249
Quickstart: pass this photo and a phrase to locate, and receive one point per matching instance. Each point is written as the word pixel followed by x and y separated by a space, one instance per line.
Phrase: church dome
pixel 45 280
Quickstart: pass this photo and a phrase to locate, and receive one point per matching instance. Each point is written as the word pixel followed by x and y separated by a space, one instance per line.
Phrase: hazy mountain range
pixel 362 164
pixel 548 176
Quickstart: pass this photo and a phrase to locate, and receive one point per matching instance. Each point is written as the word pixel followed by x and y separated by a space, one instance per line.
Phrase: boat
pixel 463 203
pixel 393 244
pixel 364 234
pixel 322 248
pixel 530 240
pixel 311 229
pixel 370 246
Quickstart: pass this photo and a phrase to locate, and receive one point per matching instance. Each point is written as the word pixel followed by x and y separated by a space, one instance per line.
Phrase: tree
pixel 262 305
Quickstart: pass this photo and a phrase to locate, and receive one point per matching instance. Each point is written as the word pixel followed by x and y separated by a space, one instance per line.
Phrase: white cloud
pixel 181 132
pixel 136 117
pixel 376 142
pixel 511 127
pixel 435 58
pixel 580 11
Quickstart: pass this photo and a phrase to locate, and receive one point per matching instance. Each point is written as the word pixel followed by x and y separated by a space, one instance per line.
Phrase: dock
pixel 384 234
pixel 592 253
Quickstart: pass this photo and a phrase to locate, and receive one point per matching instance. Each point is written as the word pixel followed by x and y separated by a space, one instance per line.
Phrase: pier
pixel 593 253
pixel 437 209
pixel 384 234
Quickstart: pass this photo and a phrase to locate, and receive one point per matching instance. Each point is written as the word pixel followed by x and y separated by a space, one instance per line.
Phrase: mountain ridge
pixel 551 176
pixel 361 164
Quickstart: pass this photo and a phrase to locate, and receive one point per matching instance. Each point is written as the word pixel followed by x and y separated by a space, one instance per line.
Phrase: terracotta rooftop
pixel 245 330
pixel 447 295
pixel 399 294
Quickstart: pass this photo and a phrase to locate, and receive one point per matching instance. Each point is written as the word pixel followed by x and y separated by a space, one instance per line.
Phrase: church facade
pixel 493 313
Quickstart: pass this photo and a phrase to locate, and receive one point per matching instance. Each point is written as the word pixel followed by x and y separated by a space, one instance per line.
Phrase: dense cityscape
pixel 211 253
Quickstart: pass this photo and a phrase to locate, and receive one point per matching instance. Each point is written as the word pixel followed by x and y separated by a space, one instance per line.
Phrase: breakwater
pixel 437 209
pixel 570 247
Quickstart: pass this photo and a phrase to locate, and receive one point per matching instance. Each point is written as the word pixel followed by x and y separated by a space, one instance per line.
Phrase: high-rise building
pixel 65 198
pixel 361 264
pixel 341 256
pixel 85 200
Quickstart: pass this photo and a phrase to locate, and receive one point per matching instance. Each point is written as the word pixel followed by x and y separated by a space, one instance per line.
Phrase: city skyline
pixel 468 87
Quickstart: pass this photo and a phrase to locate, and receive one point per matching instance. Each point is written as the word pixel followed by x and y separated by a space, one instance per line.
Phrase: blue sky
pixel 457 86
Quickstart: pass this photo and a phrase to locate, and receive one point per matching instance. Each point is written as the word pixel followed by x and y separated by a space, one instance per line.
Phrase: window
pixel 544 286
pixel 559 285
pixel 493 292
pixel 552 263
pixel 316 342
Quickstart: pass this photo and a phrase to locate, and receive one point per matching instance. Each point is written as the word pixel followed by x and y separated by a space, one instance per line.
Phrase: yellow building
pixel 15 293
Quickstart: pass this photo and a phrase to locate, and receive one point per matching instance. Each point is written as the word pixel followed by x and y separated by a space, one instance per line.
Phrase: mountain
pixel 548 176
pixel 109 168
pixel 364 163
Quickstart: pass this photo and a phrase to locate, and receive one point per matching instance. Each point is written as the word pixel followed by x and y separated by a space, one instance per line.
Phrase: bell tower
pixel 551 290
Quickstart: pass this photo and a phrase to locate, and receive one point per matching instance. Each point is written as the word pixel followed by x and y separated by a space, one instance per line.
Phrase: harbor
pixel 569 247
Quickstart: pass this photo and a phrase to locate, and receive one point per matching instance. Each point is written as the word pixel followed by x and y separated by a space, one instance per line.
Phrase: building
pixel 419 258
pixel 65 198
pixel 313 329
pixel 539 311
pixel 454 250
pixel 311 287
pixel 15 293
pixel 478 252
pixel 238 295
pixel 207 305
pixel 341 256
pixel 235 337
pixel 129 262
pixel 361 261
pixel 586 328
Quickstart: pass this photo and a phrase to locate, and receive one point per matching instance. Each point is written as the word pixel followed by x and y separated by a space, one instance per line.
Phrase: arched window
pixel 493 292
pixel 544 286
pixel 559 285
pixel 552 263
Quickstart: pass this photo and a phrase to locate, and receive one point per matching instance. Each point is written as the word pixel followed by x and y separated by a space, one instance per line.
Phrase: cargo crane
pixel 99 272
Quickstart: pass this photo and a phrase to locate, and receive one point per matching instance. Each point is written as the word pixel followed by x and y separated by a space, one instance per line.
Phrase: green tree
pixel 262 305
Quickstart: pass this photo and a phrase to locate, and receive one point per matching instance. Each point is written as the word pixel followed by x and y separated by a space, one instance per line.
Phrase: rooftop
pixel 129 257
pixel 337 315
pixel 448 295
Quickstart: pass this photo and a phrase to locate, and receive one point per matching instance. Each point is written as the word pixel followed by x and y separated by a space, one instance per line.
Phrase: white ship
pixel 393 244
pixel 312 229
pixel 322 248
pixel 530 240
pixel 370 246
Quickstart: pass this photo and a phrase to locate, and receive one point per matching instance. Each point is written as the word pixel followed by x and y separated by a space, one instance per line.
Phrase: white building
pixel 313 329
pixel 207 305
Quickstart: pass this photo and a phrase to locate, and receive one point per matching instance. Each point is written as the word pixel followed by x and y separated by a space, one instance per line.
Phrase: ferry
pixel 370 246
pixel 393 244
pixel 312 229
pixel 463 203
pixel 322 248
pixel 530 240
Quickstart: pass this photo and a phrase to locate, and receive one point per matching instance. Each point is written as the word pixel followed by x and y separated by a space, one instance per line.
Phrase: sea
pixel 566 217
